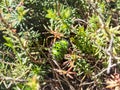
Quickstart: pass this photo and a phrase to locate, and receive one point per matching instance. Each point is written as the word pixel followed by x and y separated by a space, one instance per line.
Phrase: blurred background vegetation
pixel 59 44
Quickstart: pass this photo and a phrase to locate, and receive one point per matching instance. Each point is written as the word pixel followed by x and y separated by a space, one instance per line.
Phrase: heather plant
pixel 59 44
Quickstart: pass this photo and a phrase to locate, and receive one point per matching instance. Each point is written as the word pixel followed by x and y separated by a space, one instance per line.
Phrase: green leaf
pixel 20 9
pixel 108 21
pixel 67 13
pixel 51 14
pixel 9 41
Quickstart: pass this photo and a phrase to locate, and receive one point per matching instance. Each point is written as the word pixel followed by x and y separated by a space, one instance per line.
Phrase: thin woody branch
pixel 110 37
pixel 104 70
pixel 109 53
pixel 11 79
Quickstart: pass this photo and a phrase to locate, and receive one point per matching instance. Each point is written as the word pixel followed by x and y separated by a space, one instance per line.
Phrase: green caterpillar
pixel 59 48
